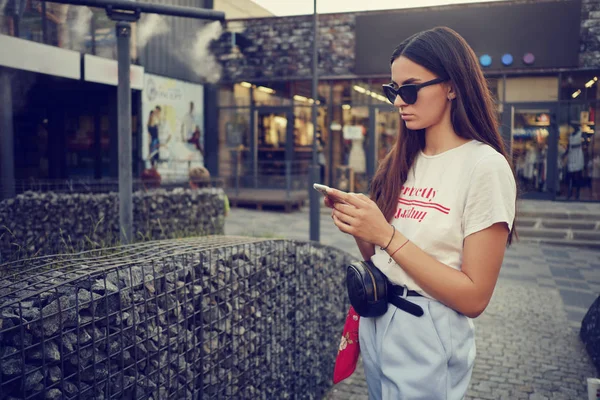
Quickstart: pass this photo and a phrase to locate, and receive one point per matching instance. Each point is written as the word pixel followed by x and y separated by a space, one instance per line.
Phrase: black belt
pixel 397 296
pixel 401 291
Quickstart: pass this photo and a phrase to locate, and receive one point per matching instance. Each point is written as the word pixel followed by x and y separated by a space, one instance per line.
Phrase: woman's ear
pixel 451 95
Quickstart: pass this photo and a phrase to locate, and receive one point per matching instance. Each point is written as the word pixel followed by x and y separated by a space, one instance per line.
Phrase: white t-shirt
pixel 446 198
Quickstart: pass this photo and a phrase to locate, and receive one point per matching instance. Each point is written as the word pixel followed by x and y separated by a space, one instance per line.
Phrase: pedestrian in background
pixel 200 178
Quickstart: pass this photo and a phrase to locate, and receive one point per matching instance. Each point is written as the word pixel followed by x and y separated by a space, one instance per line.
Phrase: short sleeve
pixel 491 195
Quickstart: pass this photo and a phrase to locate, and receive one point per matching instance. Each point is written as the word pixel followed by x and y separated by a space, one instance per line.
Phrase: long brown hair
pixel 446 54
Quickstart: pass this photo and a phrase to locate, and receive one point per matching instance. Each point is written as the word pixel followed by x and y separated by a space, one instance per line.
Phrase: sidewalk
pixel 527 340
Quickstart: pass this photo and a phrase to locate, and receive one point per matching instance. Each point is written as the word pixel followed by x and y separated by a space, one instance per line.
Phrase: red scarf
pixel 347 357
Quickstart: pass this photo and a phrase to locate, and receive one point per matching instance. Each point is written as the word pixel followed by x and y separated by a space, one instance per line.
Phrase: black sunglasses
pixel 408 92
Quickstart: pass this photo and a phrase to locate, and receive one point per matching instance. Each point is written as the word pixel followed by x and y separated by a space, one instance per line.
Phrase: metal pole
pixel 124 128
pixel 315 198
pixel 7 160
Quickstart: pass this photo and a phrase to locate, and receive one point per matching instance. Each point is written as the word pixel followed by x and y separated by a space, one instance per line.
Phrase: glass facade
pixel 547 120
pixel 578 152
pixel 83 29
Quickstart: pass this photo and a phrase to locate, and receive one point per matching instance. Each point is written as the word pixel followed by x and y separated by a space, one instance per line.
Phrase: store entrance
pixel 534 147
pixel 275 161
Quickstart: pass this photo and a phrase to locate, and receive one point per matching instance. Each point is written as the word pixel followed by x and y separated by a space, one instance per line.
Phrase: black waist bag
pixel 370 291
pixel 367 289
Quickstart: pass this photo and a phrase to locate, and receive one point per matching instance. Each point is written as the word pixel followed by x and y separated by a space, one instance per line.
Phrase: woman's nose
pixel 399 103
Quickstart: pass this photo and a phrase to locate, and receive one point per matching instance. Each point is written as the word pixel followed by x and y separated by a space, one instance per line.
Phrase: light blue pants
pixel 411 358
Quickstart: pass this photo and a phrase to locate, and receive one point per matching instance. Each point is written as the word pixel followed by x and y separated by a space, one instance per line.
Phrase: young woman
pixel 437 223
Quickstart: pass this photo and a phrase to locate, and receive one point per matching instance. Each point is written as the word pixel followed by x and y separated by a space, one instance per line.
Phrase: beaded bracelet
pixel 390 242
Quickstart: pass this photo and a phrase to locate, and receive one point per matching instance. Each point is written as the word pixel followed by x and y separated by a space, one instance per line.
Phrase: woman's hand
pixel 329 203
pixel 359 216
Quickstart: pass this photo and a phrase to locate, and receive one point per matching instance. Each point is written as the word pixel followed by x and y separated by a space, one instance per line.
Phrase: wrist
pixel 399 239
pixel 387 237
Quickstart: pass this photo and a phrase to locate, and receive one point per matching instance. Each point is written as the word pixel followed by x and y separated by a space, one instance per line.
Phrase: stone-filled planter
pixel 212 317
pixel 49 223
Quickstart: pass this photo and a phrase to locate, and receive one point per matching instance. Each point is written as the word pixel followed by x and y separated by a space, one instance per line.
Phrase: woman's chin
pixel 414 125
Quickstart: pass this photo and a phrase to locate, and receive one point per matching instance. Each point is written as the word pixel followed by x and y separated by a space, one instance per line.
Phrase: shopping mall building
pixel 541 59
pixel 58 91
pixel 253 127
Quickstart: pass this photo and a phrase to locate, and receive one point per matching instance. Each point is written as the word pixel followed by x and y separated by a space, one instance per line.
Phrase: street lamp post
pixel 124 129
pixel 314 196
pixel 124 12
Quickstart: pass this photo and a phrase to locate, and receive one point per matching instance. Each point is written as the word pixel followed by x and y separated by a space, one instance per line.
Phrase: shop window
pixel 226 98
pixel 70 26
pixel 580 86
pixel 530 132
pixel 350 160
pixel 105 39
pixel 303 126
pixel 235 95
pixel 342 92
pixel 376 92
pixel 529 89
pixel 272 94
pixel 30 23
pixel 358 92
pixel 361 92
pixel 302 94
pixel 7 19
pixel 578 152
pixel 324 91
pixel 234 140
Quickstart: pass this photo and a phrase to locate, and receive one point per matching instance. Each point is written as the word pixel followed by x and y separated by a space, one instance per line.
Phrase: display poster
pixel 173 139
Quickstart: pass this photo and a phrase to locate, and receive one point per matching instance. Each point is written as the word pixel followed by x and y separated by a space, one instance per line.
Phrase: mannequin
pixel 531 158
pixel 575 162
pixel 357 158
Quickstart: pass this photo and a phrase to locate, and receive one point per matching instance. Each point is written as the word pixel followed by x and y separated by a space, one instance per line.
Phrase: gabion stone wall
pixel 49 223
pixel 589 50
pixel 206 318
pixel 282 47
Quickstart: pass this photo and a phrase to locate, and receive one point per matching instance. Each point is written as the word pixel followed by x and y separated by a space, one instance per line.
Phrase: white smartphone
pixel 320 188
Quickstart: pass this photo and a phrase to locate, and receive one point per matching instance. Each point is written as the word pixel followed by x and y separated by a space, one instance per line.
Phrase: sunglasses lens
pixel 408 94
pixel 390 94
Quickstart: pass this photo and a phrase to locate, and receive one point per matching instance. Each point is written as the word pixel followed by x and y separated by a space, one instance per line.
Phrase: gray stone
pixel 50 353
pixel 53 394
pixel 32 379
pixel 54 374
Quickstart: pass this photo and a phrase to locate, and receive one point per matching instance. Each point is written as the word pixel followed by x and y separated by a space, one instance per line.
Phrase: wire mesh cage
pixel 201 318
pixel 39 223
pixel 106 185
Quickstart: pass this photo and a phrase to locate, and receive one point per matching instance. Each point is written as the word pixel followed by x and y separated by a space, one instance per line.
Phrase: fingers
pixel 328 202
pixel 349 198
pixel 341 225
pixel 335 194
pixel 345 218
pixel 346 209
pixel 363 197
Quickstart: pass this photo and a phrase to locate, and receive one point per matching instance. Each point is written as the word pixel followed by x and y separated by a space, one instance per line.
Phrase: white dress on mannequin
pixel 357 156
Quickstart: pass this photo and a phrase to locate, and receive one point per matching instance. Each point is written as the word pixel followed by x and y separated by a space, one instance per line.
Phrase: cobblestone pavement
pixel 527 340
